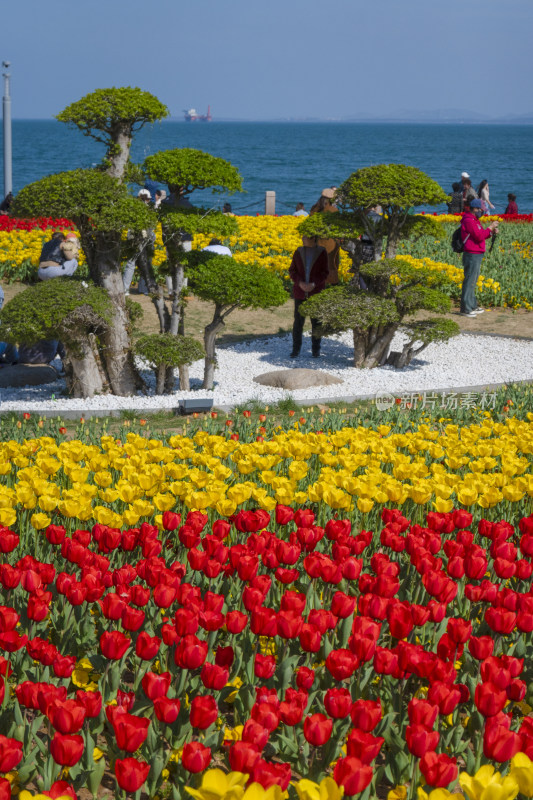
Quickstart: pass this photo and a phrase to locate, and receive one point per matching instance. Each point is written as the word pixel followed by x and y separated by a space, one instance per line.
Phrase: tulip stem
pixel 414 777
pixel 479 749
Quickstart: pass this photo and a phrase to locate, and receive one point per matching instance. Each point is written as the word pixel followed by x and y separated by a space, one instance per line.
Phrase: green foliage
pixel 190 169
pixel 225 282
pixel 395 290
pixel 92 199
pixel 134 311
pixel 344 308
pixel 437 329
pixel 47 311
pixel 418 225
pixel 105 112
pixel 413 298
pixel 387 276
pixel 164 349
pixel 332 225
pixel 176 221
pixel 389 185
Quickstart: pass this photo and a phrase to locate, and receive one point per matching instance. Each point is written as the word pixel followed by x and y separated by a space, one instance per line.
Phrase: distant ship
pixel 191 115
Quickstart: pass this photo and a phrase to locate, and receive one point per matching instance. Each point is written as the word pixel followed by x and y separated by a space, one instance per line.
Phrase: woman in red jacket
pixel 308 272
pixel 474 237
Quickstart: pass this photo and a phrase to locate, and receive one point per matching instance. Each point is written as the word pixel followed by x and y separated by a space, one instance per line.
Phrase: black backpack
pixel 458 244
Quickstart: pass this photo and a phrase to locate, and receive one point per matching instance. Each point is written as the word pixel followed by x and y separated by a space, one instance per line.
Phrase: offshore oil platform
pixel 191 115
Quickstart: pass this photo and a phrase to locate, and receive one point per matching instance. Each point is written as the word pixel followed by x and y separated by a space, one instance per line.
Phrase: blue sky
pixel 265 59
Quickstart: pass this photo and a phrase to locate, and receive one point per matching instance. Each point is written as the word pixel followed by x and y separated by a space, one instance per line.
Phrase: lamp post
pixel 6 112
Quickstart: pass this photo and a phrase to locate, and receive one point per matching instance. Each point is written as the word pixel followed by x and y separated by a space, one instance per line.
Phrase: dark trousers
pixel 298 328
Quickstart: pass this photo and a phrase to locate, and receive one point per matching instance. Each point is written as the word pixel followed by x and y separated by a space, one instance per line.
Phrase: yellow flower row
pixel 18 246
pixel 119 483
pixel 453 273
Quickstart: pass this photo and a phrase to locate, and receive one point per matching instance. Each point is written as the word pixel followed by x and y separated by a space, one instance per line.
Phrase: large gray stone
pixel 26 375
pixel 296 378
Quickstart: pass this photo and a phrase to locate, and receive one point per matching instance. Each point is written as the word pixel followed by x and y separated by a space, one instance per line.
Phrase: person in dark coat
pixel 308 272
pixel 455 206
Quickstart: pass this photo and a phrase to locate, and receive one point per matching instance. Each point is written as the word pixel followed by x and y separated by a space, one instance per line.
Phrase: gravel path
pixel 466 361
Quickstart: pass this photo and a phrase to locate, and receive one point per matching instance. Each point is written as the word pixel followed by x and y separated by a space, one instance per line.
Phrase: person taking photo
pixel 474 237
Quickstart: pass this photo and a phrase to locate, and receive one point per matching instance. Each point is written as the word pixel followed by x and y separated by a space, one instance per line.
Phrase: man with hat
pixel 474 237
pixel 468 190
pixel 332 247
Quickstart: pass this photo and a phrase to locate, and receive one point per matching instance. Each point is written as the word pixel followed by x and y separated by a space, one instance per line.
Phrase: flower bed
pixel 506 279
pixel 284 604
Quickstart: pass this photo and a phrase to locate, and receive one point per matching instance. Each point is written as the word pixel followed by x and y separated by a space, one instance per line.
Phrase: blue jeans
pixel 471 266
pixel 65 270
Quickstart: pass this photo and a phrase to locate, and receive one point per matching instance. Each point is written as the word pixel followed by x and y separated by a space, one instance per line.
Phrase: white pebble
pixel 465 361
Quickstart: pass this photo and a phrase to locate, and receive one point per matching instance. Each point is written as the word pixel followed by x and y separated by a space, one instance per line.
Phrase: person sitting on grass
pixel 59 257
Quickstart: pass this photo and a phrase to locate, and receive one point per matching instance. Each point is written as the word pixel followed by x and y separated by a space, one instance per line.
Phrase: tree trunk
pixel 178 285
pixel 393 236
pixel 118 159
pixel 185 383
pixel 392 247
pixel 403 358
pixel 358 349
pixel 380 347
pixel 117 352
pixel 160 379
pixel 371 347
pixel 157 293
pixel 210 335
pixel 83 370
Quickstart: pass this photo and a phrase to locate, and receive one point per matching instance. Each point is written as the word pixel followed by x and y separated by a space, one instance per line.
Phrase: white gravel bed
pixel 465 361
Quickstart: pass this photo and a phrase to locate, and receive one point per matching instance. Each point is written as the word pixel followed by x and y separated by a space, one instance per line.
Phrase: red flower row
pixel 421 610
pixel 43 223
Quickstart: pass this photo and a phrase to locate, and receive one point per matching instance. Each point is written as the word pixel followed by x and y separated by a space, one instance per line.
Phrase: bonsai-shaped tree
pixel 112 116
pixel 377 313
pixel 184 171
pixel 395 291
pixel 163 351
pixel 229 285
pixel 76 314
pixel 101 208
pixel 99 203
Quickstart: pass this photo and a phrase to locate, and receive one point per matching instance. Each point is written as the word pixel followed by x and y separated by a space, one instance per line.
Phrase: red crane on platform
pixel 191 115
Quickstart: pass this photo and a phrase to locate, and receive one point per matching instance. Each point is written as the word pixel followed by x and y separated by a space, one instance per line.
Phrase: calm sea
pixel 297 160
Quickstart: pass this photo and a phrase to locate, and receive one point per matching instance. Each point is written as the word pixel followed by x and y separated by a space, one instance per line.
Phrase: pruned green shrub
pixel 164 351
pixel 112 116
pixel 187 169
pixel 45 311
pixel 395 290
pixel 343 308
pixel 229 285
pixel 77 314
pixel 171 351
pixel 94 200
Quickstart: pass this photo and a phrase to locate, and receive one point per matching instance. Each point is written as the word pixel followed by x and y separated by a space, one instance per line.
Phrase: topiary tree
pixel 101 208
pixel 164 351
pixel 112 116
pixel 397 189
pixel 184 171
pixel 75 313
pixel 229 285
pixel 395 291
